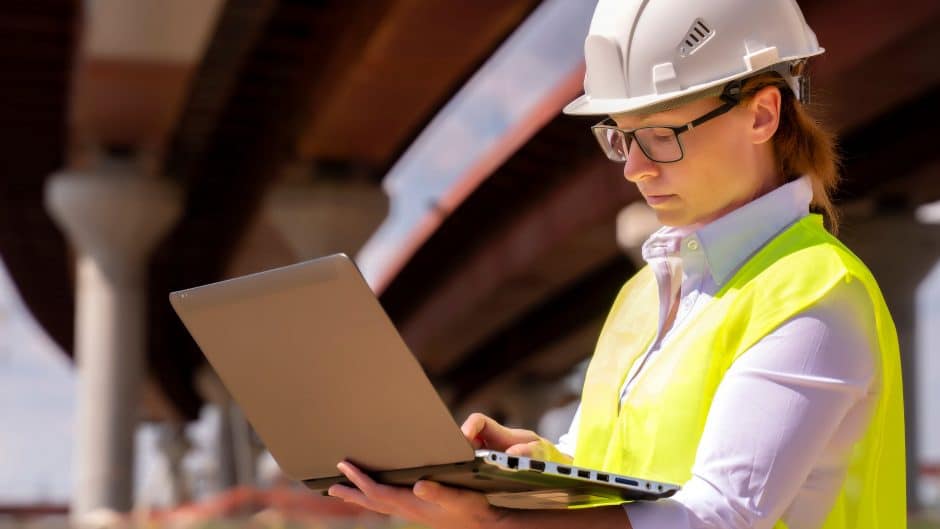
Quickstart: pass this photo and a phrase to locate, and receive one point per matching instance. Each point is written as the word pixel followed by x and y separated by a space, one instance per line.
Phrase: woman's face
pixel 728 161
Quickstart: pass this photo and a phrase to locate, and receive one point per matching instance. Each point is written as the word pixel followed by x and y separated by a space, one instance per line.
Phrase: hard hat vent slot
pixel 695 38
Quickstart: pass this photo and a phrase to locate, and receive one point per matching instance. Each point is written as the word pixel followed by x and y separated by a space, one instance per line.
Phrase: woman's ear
pixel 765 109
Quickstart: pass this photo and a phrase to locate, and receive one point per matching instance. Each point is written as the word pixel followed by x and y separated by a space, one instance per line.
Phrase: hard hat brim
pixel 585 105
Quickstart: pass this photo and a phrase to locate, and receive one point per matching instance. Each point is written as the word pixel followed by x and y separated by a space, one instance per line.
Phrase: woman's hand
pixel 441 507
pixel 427 503
pixel 484 432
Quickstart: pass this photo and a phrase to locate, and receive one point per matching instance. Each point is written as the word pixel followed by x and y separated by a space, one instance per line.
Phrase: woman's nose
pixel 638 167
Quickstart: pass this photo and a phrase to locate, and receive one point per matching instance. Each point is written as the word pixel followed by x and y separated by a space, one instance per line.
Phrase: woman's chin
pixel 671 217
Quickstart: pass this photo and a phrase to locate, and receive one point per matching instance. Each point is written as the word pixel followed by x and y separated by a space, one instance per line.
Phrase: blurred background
pixel 156 145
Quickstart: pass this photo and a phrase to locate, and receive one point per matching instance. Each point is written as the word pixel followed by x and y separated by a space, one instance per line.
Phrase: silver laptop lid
pixel 319 370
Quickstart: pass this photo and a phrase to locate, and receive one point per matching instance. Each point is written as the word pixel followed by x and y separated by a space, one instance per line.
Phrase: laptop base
pixel 522 487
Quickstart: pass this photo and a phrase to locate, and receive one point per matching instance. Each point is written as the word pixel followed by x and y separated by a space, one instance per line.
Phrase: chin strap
pixel 731 92
pixel 798 71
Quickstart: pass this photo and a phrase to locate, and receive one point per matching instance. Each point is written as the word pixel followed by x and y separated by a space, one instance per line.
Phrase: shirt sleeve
pixel 785 407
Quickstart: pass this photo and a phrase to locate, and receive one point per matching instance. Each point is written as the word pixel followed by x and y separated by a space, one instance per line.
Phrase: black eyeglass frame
pixel 731 95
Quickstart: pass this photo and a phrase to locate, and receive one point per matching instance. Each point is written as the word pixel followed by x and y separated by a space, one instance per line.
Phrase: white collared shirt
pixel 786 414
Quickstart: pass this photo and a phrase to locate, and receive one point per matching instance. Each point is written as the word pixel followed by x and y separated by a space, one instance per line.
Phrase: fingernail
pixel 423 488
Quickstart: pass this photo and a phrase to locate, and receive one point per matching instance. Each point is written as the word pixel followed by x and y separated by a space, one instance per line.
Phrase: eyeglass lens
pixel 660 144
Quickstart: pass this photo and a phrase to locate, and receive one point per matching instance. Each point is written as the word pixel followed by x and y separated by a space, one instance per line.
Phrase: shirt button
pixel 692 245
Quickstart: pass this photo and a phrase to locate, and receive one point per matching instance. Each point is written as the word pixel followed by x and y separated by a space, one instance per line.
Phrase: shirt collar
pixel 733 238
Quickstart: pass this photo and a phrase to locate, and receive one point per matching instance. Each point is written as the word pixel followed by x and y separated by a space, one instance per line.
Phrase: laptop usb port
pixel 625 481
pixel 537 465
pixel 584 474
pixel 512 462
pixel 603 477
pixel 564 470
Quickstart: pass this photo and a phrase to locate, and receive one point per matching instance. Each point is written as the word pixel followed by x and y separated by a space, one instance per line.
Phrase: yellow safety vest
pixel 656 431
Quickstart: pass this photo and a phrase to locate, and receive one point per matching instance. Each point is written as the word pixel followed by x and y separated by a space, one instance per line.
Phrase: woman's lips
pixel 658 199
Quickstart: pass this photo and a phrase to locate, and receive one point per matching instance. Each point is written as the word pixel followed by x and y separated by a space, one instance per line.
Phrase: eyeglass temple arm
pixel 731 96
pixel 713 114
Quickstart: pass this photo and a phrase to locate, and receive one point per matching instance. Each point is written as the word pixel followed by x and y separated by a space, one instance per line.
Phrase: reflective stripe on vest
pixel 655 432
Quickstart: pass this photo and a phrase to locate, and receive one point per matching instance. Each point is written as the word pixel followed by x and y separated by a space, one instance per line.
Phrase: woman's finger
pixel 530 449
pixel 473 427
pixel 370 488
pixel 351 495
pixel 386 499
pixel 485 432
pixel 540 449
pixel 462 503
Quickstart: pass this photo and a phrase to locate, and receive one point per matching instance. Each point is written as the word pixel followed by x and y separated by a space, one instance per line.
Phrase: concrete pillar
pixel 243 447
pixel 113 215
pixel 236 452
pixel 174 446
pixel 226 463
pixel 319 215
pixel 213 391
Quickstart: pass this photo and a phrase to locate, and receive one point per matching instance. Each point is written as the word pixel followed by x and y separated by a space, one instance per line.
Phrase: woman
pixel 753 360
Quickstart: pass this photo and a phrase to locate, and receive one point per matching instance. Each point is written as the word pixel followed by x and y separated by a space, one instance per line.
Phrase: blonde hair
pixel 802 146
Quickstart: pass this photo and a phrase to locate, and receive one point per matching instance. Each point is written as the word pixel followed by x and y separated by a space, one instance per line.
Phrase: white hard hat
pixel 645 55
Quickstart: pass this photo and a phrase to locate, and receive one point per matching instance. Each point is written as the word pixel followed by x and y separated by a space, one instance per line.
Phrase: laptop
pixel 322 375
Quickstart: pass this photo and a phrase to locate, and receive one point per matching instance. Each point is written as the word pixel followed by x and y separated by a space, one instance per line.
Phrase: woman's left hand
pixel 428 503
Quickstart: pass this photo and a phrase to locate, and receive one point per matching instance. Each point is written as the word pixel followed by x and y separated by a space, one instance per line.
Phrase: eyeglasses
pixel 659 144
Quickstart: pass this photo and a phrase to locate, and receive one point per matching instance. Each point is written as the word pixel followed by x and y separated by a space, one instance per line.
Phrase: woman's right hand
pixel 485 432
